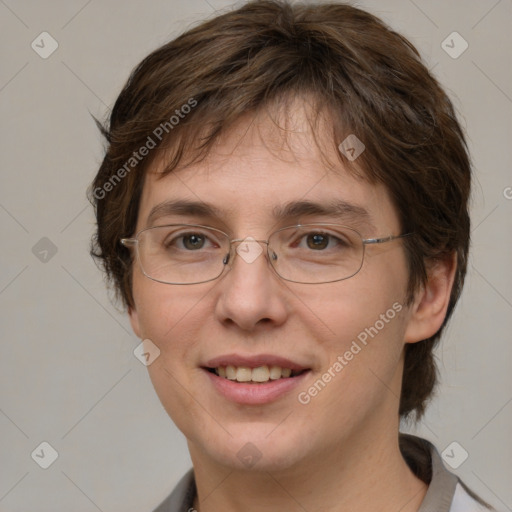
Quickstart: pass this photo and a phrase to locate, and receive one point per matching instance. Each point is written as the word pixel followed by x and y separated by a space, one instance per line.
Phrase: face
pixel 346 337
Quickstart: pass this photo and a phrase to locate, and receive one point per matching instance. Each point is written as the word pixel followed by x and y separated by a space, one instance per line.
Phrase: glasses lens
pixel 316 253
pixel 182 254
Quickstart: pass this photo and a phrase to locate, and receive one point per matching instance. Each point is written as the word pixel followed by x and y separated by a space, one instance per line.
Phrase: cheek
pixel 166 312
pixel 172 317
pixel 347 309
pixel 363 321
pixel 361 350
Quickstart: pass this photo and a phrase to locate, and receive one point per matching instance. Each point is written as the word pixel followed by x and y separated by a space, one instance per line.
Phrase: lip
pixel 254 394
pixel 253 361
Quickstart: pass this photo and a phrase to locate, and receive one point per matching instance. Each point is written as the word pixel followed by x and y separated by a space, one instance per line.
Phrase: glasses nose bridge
pixel 247 239
pixel 248 255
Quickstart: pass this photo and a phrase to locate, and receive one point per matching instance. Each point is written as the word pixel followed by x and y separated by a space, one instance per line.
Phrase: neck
pixel 365 472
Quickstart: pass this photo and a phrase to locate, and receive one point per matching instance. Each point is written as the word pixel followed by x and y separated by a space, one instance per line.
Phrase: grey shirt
pixel 446 493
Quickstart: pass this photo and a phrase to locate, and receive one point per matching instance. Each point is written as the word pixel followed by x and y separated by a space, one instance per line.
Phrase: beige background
pixel 68 375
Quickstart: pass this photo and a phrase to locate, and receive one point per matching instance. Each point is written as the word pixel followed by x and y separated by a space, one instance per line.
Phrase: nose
pixel 251 296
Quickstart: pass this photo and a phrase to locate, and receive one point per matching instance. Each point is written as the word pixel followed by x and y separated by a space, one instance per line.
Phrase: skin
pixel 340 451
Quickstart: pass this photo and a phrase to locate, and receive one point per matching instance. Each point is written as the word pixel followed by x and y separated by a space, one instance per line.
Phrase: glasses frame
pixel 134 242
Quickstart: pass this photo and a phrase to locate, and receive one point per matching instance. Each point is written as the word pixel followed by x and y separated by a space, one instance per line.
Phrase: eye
pixel 320 241
pixel 193 241
pixel 317 241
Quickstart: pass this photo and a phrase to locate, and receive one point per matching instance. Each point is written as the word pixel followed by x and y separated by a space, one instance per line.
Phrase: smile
pixel 254 379
pixel 258 375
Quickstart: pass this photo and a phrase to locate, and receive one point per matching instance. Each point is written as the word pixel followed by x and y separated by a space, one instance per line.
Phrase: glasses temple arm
pixel 385 239
pixel 129 242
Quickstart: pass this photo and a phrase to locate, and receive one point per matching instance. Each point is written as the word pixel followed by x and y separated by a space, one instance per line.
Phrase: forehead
pixel 266 169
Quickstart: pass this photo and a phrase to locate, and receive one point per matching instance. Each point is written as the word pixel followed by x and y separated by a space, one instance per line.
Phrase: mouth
pixel 255 379
pixel 258 375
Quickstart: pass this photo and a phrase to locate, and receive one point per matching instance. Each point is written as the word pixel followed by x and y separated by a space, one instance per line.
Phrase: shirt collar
pixel 425 461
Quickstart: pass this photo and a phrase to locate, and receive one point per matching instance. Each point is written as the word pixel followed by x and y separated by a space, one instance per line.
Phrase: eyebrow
pixel 182 207
pixel 339 209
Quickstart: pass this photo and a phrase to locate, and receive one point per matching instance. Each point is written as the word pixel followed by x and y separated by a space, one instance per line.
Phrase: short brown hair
pixel 372 82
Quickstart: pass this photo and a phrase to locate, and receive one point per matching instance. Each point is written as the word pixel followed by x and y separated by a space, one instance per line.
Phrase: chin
pixel 253 449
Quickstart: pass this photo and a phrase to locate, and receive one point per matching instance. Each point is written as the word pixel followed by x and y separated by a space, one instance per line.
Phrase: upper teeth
pixel 246 374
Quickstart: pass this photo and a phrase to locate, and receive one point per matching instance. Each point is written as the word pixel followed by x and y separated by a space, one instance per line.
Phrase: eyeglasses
pixel 308 253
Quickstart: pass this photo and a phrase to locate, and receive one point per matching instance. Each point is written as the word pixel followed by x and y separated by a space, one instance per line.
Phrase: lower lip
pixel 254 394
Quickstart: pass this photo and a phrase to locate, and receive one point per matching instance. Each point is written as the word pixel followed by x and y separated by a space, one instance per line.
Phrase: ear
pixel 428 311
pixel 134 320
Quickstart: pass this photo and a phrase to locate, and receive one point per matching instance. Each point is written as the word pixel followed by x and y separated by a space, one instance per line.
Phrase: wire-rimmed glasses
pixel 306 253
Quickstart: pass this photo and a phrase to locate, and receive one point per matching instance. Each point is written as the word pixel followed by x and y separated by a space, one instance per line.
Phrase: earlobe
pixel 134 321
pixel 431 302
